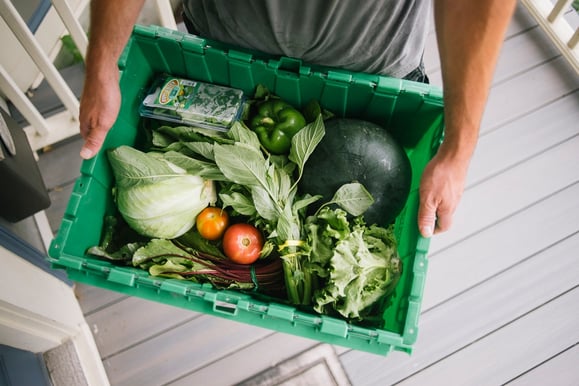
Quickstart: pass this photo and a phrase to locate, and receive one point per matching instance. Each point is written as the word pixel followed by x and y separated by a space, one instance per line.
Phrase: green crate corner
pixel 412 112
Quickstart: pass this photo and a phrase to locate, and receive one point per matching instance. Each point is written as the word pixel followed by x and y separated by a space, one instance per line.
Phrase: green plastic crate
pixel 413 112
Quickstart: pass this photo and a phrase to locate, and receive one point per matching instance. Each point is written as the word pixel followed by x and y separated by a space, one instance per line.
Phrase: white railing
pixel 41 127
pixel 47 131
pixel 551 18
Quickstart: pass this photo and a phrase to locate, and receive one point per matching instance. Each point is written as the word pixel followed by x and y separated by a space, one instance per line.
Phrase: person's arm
pixel 469 35
pixel 111 24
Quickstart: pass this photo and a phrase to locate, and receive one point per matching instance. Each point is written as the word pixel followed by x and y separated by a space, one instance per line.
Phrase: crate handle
pixel 226 308
pixel 292 65
pixel 221 303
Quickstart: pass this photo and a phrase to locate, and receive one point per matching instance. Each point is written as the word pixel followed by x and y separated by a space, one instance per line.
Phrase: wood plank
pixel 264 353
pixel 60 164
pixel 511 350
pixel 526 92
pixel 501 246
pixel 131 321
pixel 534 133
pixel 60 167
pixel 475 313
pixel 521 21
pixel 180 351
pixel 59 197
pixel 522 52
pixel 519 53
pixel 560 370
pixel 92 299
pixel 511 191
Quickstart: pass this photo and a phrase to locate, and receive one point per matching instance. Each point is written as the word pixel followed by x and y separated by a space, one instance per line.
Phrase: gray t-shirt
pixel 375 36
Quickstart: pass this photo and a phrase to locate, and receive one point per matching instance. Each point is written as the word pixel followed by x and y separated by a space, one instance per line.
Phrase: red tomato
pixel 212 222
pixel 242 243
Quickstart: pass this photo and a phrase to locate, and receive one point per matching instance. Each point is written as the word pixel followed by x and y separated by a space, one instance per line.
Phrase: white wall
pixel 39 312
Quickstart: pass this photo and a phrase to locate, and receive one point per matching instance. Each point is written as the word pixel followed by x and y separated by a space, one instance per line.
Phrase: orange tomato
pixel 212 222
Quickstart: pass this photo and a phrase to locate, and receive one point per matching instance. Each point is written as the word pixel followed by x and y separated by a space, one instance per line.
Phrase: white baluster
pixel 23 34
pixel 22 103
pixel 70 20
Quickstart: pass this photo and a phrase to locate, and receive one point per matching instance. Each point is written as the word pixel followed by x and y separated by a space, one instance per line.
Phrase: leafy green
pixel 362 262
pixel 268 181
pixel 119 242
pixel 304 144
pixel 264 189
pixel 189 133
pixel 329 260
pixel 268 185
pixel 196 167
pixel 353 198
pixel 172 259
pixel 154 196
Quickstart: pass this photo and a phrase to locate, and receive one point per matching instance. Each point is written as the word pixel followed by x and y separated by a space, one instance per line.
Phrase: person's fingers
pixel 99 108
pixel 426 216
pixel 93 142
pixel 443 219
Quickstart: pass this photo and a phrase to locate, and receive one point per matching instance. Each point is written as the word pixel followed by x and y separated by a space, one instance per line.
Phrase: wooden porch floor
pixel 501 304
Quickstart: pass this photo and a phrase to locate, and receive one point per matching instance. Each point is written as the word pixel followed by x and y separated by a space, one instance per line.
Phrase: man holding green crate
pixel 384 37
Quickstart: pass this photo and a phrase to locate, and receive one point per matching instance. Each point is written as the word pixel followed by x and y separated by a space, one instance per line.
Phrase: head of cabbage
pixel 154 196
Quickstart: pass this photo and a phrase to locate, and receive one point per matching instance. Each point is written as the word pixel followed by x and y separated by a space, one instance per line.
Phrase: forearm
pixel 111 24
pixel 470 34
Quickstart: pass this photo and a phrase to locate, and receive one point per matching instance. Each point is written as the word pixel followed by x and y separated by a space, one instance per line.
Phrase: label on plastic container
pixel 172 90
pixel 193 103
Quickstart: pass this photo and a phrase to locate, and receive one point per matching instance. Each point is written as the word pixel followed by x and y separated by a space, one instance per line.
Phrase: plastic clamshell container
pixel 192 103
pixel 412 112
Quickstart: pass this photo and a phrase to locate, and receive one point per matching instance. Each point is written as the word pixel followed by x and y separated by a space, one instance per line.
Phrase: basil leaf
pixel 304 143
pixel 204 149
pixel 353 198
pixel 280 182
pixel 264 205
pixel 239 202
pixel 194 166
pixel 282 162
pixel 305 202
pixel 242 134
pixel 287 228
pixel 241 164
pixel 191 133
pixel 161 140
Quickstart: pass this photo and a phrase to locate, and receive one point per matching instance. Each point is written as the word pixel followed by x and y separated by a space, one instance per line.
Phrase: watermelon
pixel 355 150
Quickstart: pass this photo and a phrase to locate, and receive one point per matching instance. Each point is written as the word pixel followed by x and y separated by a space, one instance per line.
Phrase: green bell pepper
pixel 275 123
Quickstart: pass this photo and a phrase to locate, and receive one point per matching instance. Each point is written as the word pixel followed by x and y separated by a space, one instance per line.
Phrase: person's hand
pixel 99 106
pixel 441 188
